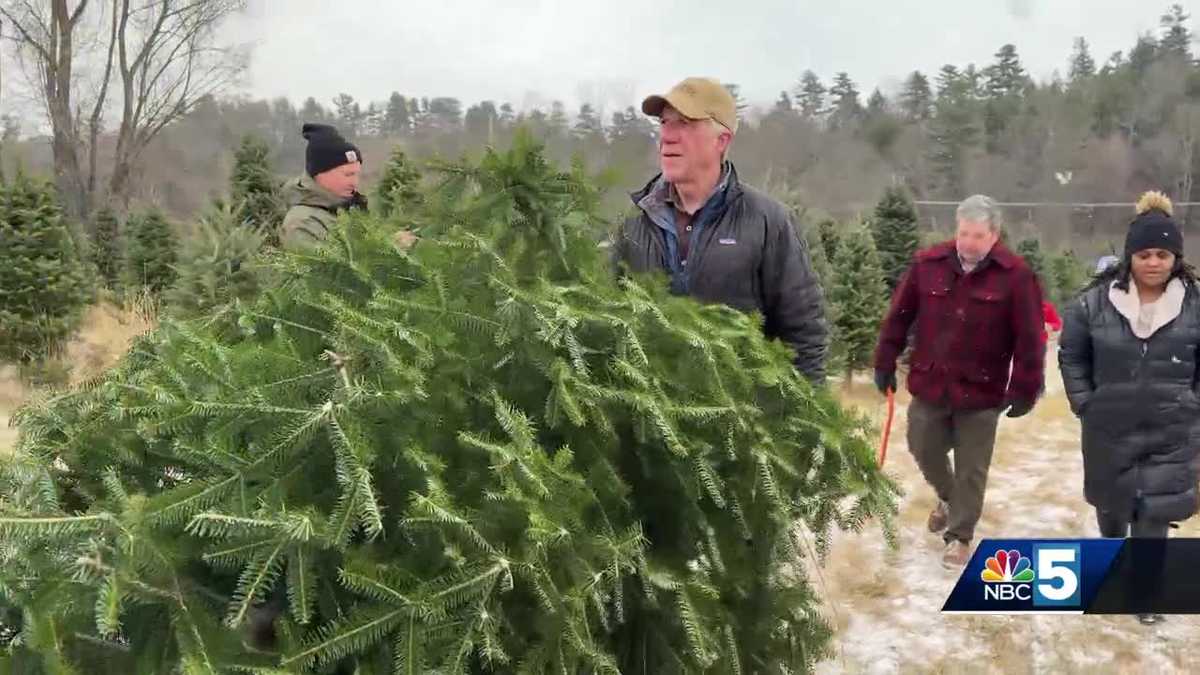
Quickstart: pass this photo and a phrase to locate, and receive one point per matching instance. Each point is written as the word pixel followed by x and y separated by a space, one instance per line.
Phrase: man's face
pixel 974 241
pixel 342 181
pixel 687 149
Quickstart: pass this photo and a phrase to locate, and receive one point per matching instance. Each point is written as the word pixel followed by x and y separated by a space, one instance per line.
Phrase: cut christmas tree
pixel 483 454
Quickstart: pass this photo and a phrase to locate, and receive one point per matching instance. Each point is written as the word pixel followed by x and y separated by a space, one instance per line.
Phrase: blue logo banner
pixel 1033 575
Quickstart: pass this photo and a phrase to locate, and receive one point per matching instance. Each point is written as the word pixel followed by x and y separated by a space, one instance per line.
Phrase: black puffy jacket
pixel 750 257
pixel 1138 403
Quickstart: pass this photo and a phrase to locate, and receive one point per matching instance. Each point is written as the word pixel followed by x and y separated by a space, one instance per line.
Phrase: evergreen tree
pixel 418 110
pixel 349 115
pixel 847 109
pixel 954 131
pixel 976 82
pixel 1006 77
pixel 285 120
pixel 1005 84
pixel 861 299
pixel 1068 275
pixel 372 121
pixel 446 114
pixel 820 260
pixel 589 128
pixel 256 194
pixel 881 127
pixel 312 111
pixel 396 120
pixel 916 101
pixel 951 83
pixel 1083 66
pixel 894 227
pixel 481 122
pixel 399 190
pixel 830 235
pixel 10 131
pixel 1031 251
pixel 486 455
pixel 783 104
pixel 877 103
pixel 106 247
pixel 1176 36
pixel 217 264
pixel 507 116
pixel 810 96
pixel 558 124
pixel 42 280
pixel 823 268
pixel 151 252
pixel 1143 55
pixel 739 103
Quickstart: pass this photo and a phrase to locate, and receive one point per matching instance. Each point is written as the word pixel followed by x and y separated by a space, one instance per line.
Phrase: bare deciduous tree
pixel 158 59
pixel 45 35
pixel 168 61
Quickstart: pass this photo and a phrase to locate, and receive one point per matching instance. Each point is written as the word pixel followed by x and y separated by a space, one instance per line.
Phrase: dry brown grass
pixel 104 336
pixel 12 393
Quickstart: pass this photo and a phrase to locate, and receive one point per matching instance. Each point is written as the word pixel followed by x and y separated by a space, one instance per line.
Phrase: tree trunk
pixel 119 184
pixel 65 148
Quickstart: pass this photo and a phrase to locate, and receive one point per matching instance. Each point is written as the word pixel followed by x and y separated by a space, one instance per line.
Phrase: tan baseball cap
pixel 697 98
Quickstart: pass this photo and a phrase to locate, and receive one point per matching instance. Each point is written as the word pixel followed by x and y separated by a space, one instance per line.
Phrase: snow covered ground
pixel 886 604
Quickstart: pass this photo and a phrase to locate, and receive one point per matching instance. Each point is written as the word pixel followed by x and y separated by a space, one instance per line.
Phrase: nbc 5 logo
pixel 1051 579
pixel 1058 575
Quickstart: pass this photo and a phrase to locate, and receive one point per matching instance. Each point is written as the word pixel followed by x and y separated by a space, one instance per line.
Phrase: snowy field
pixel 886 604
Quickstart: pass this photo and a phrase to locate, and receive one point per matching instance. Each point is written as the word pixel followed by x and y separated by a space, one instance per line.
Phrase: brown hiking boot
pixel 938 517
pixel 956 555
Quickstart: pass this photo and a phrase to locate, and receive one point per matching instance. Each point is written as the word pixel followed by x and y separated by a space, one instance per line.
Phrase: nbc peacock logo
pixel 1007 567
pixel 1007 576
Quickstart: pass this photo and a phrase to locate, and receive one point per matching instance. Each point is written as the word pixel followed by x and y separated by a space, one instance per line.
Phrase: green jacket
pixel 311 213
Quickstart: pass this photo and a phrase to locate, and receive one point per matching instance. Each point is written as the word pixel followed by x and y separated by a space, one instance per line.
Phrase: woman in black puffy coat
pixel 1128 354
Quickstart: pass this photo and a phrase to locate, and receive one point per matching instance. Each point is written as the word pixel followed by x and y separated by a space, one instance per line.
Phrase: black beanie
pixel 326 149
pixel 1154 227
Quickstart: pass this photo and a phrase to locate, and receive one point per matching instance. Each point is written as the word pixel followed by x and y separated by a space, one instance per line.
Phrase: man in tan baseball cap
pixel 719 240
pixel 697 98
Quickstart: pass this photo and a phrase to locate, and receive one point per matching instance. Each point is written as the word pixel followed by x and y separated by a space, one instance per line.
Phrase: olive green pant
pixel 933 431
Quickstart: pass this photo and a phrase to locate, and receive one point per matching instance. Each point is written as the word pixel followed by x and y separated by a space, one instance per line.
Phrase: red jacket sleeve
pixel 1051 317
pixel 893 333
pixel 1028 365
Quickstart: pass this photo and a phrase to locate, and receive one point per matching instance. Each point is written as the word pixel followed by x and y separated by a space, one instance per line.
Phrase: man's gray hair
pixel 981 209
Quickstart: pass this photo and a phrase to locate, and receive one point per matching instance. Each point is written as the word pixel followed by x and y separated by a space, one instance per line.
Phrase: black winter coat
pixel 1138 403
pixel 751 258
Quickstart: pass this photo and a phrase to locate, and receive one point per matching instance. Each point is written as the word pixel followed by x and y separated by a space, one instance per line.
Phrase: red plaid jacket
pixel 969 328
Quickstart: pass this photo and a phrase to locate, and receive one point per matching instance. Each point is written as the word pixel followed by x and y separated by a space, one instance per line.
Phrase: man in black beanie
pixel 332 166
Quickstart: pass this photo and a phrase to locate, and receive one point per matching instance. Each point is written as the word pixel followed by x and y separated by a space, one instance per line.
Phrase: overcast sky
pixel 530 52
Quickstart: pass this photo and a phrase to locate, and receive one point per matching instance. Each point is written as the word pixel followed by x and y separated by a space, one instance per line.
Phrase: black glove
pixel 885 380
pixel 1018 407
pixel 357 201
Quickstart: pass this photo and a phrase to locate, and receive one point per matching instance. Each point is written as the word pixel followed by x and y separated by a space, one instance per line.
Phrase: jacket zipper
pixel 1137 465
